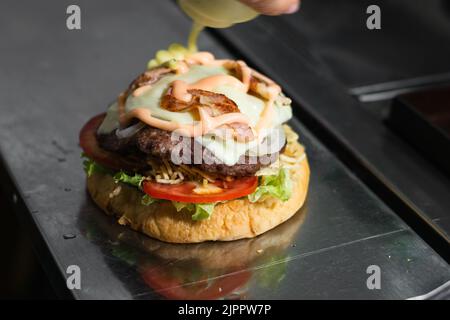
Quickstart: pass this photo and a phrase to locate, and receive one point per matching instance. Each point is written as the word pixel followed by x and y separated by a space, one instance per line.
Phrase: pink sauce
pixel 141 90
pixel 207 123
pixel 180 88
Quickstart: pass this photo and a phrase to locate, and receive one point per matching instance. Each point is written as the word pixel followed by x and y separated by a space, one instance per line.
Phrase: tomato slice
pixel 183 192
pixel 89 144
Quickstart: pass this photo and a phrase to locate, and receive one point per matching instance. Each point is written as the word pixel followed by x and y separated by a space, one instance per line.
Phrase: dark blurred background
pixel 22 274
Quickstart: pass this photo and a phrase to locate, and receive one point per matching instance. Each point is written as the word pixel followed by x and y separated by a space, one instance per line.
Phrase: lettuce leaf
pixel 278 186
pixel 135 180
pixel 147 200
pixel 201 211
pixel 90 166
pixel 181 205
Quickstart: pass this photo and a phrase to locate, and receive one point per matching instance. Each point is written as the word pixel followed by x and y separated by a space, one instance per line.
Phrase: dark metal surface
pixel 414 185
pixel 53 80
pixel 411 48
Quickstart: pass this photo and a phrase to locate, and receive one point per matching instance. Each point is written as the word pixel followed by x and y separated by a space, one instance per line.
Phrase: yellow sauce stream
pixel 193 36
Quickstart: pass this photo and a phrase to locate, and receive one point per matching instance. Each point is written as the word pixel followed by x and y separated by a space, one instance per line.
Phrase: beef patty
pixel 159 144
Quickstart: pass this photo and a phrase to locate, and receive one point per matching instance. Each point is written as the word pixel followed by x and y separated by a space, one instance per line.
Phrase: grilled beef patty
pixel 158 144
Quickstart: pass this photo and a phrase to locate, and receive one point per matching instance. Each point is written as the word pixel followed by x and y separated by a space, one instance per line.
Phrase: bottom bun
pixel 232 220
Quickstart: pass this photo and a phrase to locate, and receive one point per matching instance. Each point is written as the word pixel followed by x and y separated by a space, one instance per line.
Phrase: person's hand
pixel 273 7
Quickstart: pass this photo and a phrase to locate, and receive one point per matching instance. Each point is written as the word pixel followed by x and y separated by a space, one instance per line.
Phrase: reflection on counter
pixel 209 270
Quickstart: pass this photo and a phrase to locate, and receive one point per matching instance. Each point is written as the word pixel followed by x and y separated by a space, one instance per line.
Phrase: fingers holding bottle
pixel 273 7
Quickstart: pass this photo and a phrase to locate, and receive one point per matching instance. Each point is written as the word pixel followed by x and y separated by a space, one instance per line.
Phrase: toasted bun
pixel 231 220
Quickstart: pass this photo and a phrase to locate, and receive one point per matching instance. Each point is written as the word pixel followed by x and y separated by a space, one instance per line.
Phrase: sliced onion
pixel 130 131
pixel 271 144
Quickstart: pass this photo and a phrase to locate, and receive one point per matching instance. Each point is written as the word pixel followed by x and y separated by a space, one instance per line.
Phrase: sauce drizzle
pixel 207 123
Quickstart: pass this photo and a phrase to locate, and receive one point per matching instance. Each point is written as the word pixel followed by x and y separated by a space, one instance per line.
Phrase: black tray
pixel 423 119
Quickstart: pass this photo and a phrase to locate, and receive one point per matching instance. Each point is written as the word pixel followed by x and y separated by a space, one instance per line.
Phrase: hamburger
pixel 196 149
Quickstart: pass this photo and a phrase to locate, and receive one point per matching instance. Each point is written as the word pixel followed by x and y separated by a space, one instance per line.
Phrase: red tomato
pixel 89 144
pixel 183 192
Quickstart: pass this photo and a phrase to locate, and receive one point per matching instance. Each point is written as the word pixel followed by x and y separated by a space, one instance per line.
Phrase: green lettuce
pixel 201 211
pixel 147 200
pixel 90 166
pixel 134 180
pixel 278 186
pixel 182 205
